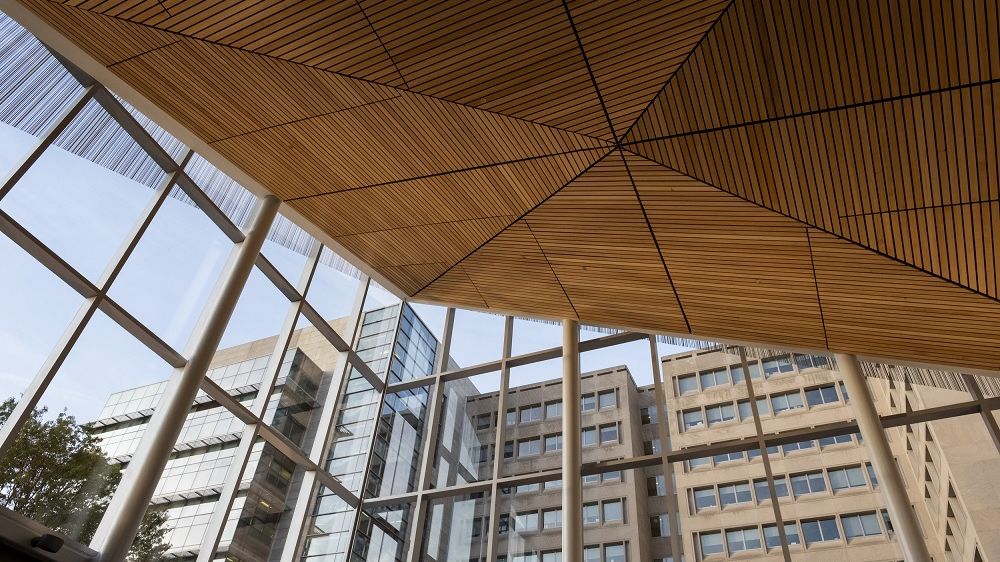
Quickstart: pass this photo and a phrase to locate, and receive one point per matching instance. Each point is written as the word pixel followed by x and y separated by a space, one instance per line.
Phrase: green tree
pixel 56 473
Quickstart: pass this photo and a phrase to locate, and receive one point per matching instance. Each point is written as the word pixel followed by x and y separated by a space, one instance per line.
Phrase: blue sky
pixel 84 211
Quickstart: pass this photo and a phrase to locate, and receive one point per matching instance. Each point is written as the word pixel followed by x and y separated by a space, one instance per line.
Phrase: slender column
pixel 128 506
pixel 572 458
pixel 904 520
pixel 762 446
pixel 499 435
pixel 664 433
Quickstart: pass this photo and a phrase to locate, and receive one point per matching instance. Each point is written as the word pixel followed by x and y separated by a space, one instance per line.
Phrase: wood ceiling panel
pixel 876 306
pixel 904 178
pixel 454 286
pixel 412 277
pixel 495 191
pixel 741 271
pixel 773 58
pixel 596 240
pixel 635 48
pixel 516 58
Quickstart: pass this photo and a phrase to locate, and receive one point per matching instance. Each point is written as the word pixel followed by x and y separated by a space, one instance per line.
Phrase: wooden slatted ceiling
pixel 775 58
pixel 634 48
pixel 915 179
pixel 453 145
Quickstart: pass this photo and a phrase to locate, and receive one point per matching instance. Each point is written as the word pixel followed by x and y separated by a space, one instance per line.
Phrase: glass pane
pixel 531 387
pixel 535 335
pixel 333 290
pixel 395 465
pixel 34 90
pixel 522 530
pixel 457 528
pixel 84 194
pixel 259 313
pixel 232 199
pixel 35 308
pixel 328 534
pixel 634 356
pixel 288 248
pixel 178 260
pixel 432 316
pixel 58 471
pixel 170 144
pixel 382 533
pixel 477 337
pixel 465 448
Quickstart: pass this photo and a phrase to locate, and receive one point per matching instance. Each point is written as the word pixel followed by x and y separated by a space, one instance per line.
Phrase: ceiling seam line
pixel 680 67
pixel 446 173
pixel 524 214
pixel 144 53
pixel 294 121
pixel 590 71
pixel 814 112
pixel 825 231
pixel 656 243
pixel 388 55
pixel 554 274
pixel 922 208
pixel 819 300
pixel 343 75
pixel 439 223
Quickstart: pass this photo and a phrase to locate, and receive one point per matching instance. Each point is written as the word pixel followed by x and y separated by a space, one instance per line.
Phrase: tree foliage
pixel 56 473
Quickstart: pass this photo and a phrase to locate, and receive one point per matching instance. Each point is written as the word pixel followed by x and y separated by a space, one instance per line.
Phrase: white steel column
pixel 128 506
pixel 572 459
pixel 660 392
pixel 904 520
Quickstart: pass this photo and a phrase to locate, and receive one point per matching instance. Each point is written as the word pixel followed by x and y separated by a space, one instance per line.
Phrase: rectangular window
pixel 711 543
pixel 552 556
pixel 552 518
pixel 531 413
pixel 871 474
pixel 687 383
pixel 552 485
pixel 797 446
pixel 736 371
pixel 588 403
pixel 526 522
pixel 607 399
pixel 511 417
pixel 612 476
pixel 648 415
pixel 777 365
pixel 659 525
pixel 808 483
pixel 614 553
pixel 553 443
pixel 591 514
pixel 773 539
pixel 529 447
pixel 845 478
pixel 508 450
pixel 553 409
pixel 820 530
pixel 740 540
pixel 764 492
pixel 699 462
pixel 656 485
pixel 746 413
pixel 692 419
pixel 613 511
pixel 591 554
pixel 715 377
pixel 731 494
pixel 526 489
pixel 589 436
pixel 591 479
pixel 720 413
pixel 483 421
pixel 704 498
pixel 860 525
pixel 825 442
pixel 843 392
pixel 819 395
pixel 609 433
pixel 787 401
pixel 728 457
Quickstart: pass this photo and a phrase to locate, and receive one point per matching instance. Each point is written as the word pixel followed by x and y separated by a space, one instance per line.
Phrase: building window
pixel 648 415
pixel 552 485
pixel 483 421
pixel 687 383
pixel 787 401
pixel 715 377
pixel 826 394
pixel 588 403
pixel 720 413
pixel 845 478
pixel 777 365
pixel 704 498
pixel 711 543
pixel 731 494
pixel 808 483
pixel 692 419
pixel 656 485
pixel 740 540
pixel 746 413
pixel 613 511
pixel 773 539
pixel 609 433
pixel 860 525
pixel 591 479
pixel 843 392
pixel 763 492
pixel 526 489
pixel 526 522
pixel 589 437
pixel 699 462
pixel 531 413
pixel 591 553
pixel 504 524
pixel 659 525
pixel 529 447
pixel 755 453
pixel 612 476
pixel 607 399
pixel 736 371
pixel 871 474
pixel 552 556
pixel 614 553
pixel 553 409
pixel 797 446
pixel 511 417
pixel 553 443
pixel 820 530
pixel 825 442
pixel 552 518
pixel 591 514
pixel 508 450
pixel 728 457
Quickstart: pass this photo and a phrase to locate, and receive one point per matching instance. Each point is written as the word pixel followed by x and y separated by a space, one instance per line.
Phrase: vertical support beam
pixel 659 388
pixel 419 517
pixel 128 506
pixel 904 520
pixel 572 458
pixel 499 436
pixel 987 415
pixel 762 446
